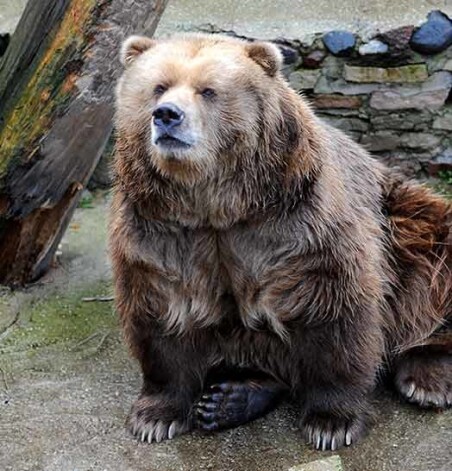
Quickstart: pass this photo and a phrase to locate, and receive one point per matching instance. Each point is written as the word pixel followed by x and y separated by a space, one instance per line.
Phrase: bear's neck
pixel 218 201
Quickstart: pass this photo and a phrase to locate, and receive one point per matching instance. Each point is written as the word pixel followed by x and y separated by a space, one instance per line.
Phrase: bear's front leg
pixel 339 363
pixel 173 365
pixel 169 298
pixel 173 373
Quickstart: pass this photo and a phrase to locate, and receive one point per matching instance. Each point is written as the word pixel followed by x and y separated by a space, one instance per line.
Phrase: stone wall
pixel 391 93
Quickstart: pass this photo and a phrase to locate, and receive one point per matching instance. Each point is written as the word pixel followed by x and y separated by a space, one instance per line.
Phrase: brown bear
pixel 259 252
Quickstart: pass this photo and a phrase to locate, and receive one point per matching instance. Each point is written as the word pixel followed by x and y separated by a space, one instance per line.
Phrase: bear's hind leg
pixel 235 400
pixel 423 375
pixel 420 247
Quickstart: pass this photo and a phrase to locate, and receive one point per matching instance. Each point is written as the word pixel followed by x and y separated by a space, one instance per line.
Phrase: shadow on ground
pixel 66 383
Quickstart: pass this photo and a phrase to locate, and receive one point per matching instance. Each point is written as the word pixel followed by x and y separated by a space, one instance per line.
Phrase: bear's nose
pixel 168 115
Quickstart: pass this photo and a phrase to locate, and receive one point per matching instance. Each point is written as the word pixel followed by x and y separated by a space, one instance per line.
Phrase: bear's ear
pixel 267 55
pixel 133 47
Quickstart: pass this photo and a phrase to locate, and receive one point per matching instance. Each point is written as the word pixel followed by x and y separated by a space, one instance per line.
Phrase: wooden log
pixel 56 105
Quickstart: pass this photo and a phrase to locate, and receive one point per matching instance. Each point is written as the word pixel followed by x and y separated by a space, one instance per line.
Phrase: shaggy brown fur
pixel 262 241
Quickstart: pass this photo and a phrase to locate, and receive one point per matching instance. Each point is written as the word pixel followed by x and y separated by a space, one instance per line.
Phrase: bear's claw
pixel 157 430
pixel 332 433
pixel 425 380
pixel 425 398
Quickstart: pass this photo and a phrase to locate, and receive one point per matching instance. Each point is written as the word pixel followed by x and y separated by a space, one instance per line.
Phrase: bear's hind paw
pixel 425 380
pixel 232 403
pixel 425 398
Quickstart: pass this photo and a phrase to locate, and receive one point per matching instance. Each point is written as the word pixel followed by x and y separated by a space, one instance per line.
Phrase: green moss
pixel 86 201
pixel 442 185
pixel 62 320
pixel 446 177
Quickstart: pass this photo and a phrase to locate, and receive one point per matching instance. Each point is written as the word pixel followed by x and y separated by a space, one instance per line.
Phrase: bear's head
pixel 198 104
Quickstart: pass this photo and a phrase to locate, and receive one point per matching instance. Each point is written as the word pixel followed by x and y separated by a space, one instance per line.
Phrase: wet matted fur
pixel 262 241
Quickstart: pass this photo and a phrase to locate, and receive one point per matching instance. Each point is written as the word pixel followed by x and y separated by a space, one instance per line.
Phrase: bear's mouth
pixel 171 143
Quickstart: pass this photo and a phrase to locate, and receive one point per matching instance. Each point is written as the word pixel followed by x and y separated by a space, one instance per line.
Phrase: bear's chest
pixel 265 270
pixel 201 269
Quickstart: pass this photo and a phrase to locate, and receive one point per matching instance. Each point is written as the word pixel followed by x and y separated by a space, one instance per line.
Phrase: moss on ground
pixel 62 319
pixel 441 187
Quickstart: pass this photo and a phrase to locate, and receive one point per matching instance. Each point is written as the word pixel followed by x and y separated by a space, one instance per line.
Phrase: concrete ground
pixel 66 383
pixel 10 11
pixel 296 19
pixel 269 19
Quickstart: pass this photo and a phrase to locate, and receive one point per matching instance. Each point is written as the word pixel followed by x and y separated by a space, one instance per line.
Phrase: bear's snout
pixel 167 116
pixel 167 132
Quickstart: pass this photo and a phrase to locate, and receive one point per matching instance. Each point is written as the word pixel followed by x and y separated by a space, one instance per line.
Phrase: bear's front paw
pixel 153 418
pixel 157 430
pixel 327 432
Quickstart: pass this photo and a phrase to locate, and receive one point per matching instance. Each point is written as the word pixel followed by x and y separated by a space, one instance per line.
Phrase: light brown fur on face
pixel 262 243
pixel 214 125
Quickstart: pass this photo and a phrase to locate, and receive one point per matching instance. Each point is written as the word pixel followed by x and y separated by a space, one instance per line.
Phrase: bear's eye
pixel 160 90
pixel 208 93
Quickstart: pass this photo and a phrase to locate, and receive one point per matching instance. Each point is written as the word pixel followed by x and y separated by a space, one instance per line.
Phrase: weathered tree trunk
pixel 56 106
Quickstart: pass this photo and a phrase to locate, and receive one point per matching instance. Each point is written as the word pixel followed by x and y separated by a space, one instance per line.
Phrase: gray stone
pixel 287 70
pixel 431 95
pixel 337 101
pixel 406 121
pixel 355 135
pixel 310 41
pixel 373 47
pixel 419 141
pixel 441 163
pixel 404 74
pixel 304 79
pixel 332 67
pixel 380 141
pixel 444 122
pixel 341 112
pixel 327 86
pixel 442 61
pixel 348 124
pixel 333 463
pixel 339 43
